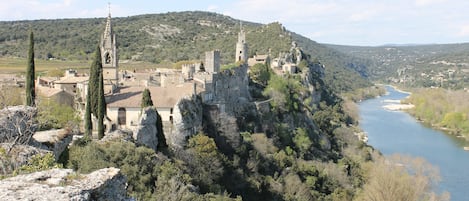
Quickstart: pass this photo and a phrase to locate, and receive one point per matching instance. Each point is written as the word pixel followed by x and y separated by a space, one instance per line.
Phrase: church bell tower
pixel 109 57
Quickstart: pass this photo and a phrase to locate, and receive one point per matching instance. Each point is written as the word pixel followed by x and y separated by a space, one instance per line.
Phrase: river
pixel 394 132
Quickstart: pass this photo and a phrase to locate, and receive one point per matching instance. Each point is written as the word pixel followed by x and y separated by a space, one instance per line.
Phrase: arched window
pixel 121 116
pixel 107 58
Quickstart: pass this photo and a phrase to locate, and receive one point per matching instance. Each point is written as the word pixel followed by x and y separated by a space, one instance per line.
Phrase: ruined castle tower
pixel 109 57
pixel 241 46
pixel 212 61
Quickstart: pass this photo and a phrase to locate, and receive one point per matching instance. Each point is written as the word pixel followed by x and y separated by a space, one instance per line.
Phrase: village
pixel 222 89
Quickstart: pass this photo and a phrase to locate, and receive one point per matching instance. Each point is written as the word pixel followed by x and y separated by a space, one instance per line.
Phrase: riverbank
pixel 395 105
pixel 400 133
pixel 440 109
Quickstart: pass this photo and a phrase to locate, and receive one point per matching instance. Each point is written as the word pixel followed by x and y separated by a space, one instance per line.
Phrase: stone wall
pixel 231 89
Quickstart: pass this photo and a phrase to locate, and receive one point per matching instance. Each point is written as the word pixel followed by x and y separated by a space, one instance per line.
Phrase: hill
pixel 437 65
pixel 173 37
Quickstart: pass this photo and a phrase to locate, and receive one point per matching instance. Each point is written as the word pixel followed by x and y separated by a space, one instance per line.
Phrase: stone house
pixel 259 59
pixel 58 95
pixel 69 83
pixel 124 106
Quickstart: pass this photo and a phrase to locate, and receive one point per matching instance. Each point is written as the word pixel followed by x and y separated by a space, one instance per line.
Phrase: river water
pixel 394 132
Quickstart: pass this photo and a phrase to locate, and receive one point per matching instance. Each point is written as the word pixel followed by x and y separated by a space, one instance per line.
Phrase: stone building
pixel 109 58
pixel 241 47
pixel 259 59
pixel 212 61
pixel 123 107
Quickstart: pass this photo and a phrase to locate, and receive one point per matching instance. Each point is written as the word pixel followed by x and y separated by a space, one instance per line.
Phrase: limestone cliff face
pixel 146 132
pixel 311 78
pixel 64 184
pixel 187 121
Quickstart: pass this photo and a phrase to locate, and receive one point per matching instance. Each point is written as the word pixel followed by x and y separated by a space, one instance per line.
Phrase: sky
pixel 345 22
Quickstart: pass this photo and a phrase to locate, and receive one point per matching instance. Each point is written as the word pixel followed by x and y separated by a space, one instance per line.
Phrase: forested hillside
pixel 416 65
pixel 173 37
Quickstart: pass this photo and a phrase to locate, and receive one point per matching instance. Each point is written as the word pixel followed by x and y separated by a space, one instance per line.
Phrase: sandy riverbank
pixel 398 106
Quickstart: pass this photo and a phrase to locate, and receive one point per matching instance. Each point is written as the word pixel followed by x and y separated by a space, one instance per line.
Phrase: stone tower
pixel 109 57
pixel 241 46
pixel 212 61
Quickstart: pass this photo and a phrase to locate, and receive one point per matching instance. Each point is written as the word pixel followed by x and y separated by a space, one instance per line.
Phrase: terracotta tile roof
pixel 47 91
pixel 163 97
pixel 65 80
pixel 48 79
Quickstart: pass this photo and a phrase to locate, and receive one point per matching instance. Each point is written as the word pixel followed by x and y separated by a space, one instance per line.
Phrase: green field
pixel 18 65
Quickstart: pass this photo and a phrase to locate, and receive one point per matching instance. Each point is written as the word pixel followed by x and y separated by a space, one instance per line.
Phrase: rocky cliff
pixel 187 121
pixel 146 132
pixel 64 184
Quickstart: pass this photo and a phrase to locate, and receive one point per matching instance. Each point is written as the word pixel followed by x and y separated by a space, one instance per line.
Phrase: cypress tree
pixel 88 123
pixel 30 85
pixel 160 133
pixel 101 103
pixel 146 99
pixel 96 67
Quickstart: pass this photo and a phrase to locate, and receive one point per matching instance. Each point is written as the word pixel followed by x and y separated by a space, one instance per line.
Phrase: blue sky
pixel 348 22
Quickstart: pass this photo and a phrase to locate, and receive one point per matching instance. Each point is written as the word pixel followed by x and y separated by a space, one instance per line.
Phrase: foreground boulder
pixel 65 184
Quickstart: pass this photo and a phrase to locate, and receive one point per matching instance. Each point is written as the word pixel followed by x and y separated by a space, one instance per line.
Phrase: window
pixel 121 116
pixel 107 58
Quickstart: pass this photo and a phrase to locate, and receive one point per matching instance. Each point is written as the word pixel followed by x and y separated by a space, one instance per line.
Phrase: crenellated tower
pixel 241 46
pixel 109 57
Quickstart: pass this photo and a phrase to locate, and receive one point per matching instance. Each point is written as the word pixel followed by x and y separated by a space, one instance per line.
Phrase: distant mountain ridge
pixel 437 65
pixel 172 37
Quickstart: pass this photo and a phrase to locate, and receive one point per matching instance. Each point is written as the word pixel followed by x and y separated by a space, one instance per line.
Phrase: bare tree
pixel 17 125
pixel 401 178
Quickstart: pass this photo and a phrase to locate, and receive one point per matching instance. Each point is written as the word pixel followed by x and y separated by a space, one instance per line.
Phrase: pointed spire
pixel 108 29
pixel 109 5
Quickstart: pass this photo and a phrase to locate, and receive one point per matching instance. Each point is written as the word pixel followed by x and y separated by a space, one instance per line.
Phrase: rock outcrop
pixel 19 155
pixel 187 121
pixel 54 140
pixel 146 133
pixel 65 184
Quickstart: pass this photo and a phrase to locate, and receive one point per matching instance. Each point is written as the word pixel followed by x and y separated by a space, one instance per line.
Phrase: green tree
pixel 260 74
pixel 53 115
pixel 88 123
pixel 161 138
pixel 30 85
pixel 302 140
pixel 206 165
pixel 101 105
pixel 146 99
pixel 95 72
